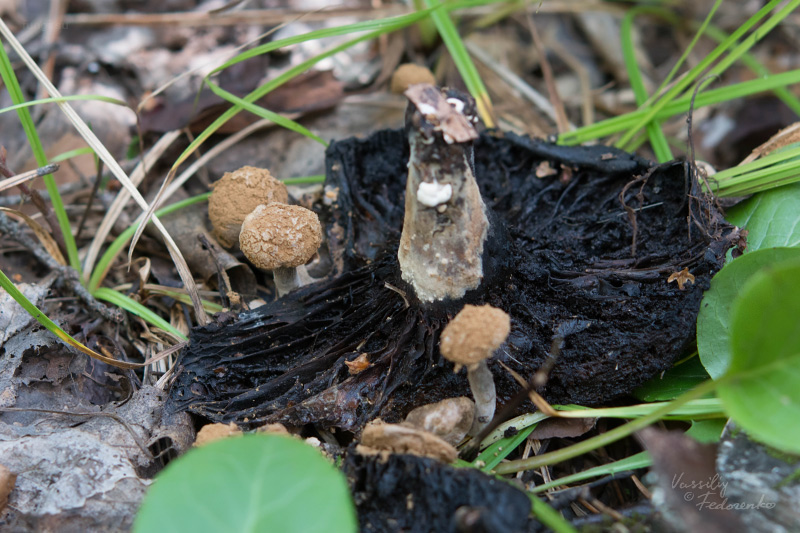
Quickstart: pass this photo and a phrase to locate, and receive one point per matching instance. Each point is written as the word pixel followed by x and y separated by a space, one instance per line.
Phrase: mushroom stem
pixel 445 224
pixel 481 382
pixel 288 279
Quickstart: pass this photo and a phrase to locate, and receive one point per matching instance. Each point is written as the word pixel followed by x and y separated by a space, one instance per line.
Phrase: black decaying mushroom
pixel 557 255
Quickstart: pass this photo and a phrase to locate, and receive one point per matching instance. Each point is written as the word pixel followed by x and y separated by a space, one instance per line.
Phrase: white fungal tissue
pixel 434 194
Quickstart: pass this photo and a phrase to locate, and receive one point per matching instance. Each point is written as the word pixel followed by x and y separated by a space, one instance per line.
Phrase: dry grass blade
pixel 788 135
pixel 119 203
pixel 103 153
pixel 27 176
pixel 259 17
pixel 42 234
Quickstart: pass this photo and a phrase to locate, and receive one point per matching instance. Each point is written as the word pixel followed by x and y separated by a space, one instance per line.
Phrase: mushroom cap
pixel 280 236
pixel 409 74
pixel 474 334
pixel 236 194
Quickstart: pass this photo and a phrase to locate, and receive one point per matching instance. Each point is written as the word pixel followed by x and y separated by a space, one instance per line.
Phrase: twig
pixel 39 202
pixel 67 276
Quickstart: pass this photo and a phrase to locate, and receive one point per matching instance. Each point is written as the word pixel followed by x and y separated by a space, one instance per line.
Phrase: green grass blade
pixel 639 460
pixel 681 105
pixel 550 517
pixel 15 91
pixel 264 113
pixel 263 90
pixel 700 31
pixel 498 451
pixel 71 154
pixel 791 101
pixel 467 69
pixel 695 73
pixel 657 139
pixel 51 326
pixel 132 306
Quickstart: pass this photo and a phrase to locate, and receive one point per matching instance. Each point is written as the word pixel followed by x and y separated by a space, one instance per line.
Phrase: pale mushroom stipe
pixel 281 238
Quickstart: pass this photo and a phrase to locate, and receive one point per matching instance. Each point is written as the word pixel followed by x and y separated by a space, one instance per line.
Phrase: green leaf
pixel 247 484
pixel 673 382
pixel 707 430
pixel 714 319
pixel 761 391
pixel 772 218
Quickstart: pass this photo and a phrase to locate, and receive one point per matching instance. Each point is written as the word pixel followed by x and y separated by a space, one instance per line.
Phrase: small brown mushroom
pixel 469 340
pixel 399 438
pixel 409 74
pixel 235 195
pixel 281 238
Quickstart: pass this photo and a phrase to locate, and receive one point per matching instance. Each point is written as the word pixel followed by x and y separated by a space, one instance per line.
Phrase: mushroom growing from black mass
pixel 445 224
pixel 281 238
pixel 431 218
pixel 470 340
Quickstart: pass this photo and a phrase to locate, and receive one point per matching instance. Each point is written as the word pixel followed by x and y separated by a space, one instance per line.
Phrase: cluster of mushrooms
pixel 442 244
pixel 249 207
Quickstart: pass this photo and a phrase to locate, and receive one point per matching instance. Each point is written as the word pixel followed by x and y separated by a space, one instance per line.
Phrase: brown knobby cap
pixel 235 196
pixel 280 236
pixel 474 334
pixel 409 74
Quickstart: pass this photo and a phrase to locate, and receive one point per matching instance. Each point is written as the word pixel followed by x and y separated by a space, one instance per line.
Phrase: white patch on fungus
pixel 434 194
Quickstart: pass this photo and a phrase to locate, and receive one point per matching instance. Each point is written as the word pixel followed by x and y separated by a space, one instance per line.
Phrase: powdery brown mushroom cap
pixel 280 236
pixel 410 74
pixel 236 195
pixel 474 334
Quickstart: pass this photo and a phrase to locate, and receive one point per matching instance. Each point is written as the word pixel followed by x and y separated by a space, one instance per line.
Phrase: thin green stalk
pixel 427 30
pixel 606 438
pixel 657 139
pixel 700 31
pixel 706 62
pixel 132 306
pixel 791 101
pixel 71 98
pixel 461 58
pixel 15 91
pixel 639 460
pixel 550 517
pixel 262 112
pixel 271 85
pixel 614 125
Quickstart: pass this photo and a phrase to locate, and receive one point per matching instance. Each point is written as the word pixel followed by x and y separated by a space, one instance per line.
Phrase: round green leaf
pixel 772 218
pixel 248 484
pixel 761 391
pixel 713 321
pixel 672 383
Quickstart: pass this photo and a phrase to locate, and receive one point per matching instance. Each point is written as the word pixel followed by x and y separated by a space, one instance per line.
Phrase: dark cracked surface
pixel 560 263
